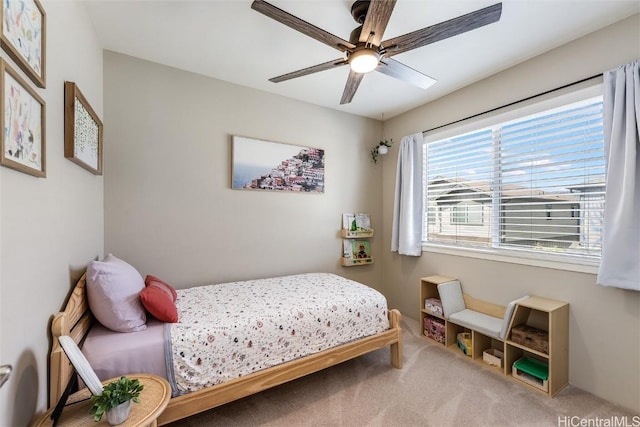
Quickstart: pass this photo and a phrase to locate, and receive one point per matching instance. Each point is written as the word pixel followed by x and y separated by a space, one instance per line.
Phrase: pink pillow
pixel 154 281
pixel 113 287
pixel 159 302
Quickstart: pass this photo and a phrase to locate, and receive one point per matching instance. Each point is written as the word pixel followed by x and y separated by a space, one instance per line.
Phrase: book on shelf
pixel 356 223
pixel 356 249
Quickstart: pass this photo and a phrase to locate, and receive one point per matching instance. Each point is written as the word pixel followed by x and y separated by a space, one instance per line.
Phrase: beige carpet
pixel 435 388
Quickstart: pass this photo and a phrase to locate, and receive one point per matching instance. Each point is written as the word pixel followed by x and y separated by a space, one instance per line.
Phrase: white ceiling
pixel 227 40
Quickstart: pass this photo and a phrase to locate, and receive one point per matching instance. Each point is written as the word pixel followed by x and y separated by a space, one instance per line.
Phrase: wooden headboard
pixel 75 320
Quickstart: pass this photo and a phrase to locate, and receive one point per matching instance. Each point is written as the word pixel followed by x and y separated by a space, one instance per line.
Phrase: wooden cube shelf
pixel 548 315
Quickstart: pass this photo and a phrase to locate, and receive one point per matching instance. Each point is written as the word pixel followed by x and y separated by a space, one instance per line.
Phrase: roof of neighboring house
pixel 590 187
pixel 453 190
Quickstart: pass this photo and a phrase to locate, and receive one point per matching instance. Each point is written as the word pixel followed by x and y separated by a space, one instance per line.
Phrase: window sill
pixel 564 262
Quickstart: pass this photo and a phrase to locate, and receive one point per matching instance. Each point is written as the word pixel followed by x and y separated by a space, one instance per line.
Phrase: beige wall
pixel 50 227
pixel 604 322
pixel 169 209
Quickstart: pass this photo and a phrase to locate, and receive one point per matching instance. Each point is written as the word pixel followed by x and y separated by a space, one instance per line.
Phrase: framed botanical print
pixel 22 118
pixel 23 36
pixel 82 131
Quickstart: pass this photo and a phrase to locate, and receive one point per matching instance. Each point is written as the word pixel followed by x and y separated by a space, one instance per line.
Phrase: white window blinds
pixel 532 184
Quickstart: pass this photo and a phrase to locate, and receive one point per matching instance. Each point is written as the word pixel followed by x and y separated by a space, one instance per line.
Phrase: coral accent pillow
pixel 113 287
pixel 158 298
pixel 154 281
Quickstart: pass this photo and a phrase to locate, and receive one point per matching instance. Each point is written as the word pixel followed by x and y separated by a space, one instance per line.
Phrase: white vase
pixel 119 414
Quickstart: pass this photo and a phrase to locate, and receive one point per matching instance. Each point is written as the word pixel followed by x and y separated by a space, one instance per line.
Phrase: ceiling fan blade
pixel 376 21
pixel 304 27
pixel 309 70
pixel 350 88
pixel 443 30
pixel 395 69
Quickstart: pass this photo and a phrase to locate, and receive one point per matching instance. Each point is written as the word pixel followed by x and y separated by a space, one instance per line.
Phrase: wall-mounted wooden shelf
pixel 360 234
pixel 350 262
pixel 356 232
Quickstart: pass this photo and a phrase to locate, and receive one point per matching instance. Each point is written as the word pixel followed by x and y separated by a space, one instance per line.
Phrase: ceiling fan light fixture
pixel 366 48
pixel 364 60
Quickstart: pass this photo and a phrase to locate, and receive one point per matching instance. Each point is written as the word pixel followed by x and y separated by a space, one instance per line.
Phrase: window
pixel 534 184
pixel 467 214
pixel 431 215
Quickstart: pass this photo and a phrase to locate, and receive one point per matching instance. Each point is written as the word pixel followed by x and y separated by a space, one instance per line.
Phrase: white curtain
pixel 620 263
pixel 406 234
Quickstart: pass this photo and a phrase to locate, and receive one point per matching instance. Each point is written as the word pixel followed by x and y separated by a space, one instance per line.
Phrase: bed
pixel 77 321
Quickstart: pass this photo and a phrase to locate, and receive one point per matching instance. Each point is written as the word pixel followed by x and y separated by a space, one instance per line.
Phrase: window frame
pixel 567 262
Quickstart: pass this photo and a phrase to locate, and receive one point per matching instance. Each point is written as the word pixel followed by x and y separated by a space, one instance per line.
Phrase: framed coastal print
pixel 273 166
pixel 24 36
pixel 82 131
pixel 22 117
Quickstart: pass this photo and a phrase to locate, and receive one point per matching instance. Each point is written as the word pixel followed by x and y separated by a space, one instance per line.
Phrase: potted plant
pixel 115 400
pixel 381 149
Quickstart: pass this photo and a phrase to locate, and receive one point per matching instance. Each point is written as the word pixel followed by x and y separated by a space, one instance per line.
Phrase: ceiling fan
pixel 365 51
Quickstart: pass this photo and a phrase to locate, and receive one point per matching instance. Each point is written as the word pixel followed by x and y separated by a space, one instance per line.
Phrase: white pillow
pixel 113 289
pixel 451 297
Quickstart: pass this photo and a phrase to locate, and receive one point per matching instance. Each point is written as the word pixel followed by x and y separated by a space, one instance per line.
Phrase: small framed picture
pixel 82 131
pixel 22 118
pixel 23 36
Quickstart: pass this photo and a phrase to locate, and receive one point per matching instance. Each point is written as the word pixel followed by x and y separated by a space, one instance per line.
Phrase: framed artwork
pixel 23 37
pixel 22 118
pixel 273 166
pixel 82 131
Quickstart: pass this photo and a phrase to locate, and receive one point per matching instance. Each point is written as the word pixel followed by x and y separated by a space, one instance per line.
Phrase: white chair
pixel 81 364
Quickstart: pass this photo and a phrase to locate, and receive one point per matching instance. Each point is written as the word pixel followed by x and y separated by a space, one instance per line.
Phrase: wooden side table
pixel 153 400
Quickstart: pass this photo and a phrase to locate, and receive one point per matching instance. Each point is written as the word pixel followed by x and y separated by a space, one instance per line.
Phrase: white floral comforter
pixel 233 329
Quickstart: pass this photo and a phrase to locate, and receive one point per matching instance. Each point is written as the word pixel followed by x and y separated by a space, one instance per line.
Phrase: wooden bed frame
pixel 76 319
